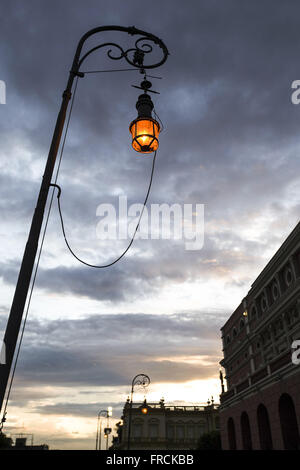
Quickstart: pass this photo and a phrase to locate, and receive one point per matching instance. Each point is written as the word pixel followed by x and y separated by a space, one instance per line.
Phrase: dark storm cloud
pixel 231 141
pixel 137 277
pixel 242 83
pixel 221 96
pixel 107 349
pixel 79 409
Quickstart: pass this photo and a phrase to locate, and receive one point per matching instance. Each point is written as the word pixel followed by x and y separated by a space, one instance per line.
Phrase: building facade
pixel 165 426
pixel 261 407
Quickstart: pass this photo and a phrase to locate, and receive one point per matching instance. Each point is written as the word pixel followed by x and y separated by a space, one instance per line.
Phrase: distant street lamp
pixel 107 432
pixel 106 413
pixel 144 131
pixel 141 380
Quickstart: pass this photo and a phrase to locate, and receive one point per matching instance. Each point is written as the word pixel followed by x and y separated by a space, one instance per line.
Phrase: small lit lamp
pixel 144 408
pixel 245 312
pixel 144 129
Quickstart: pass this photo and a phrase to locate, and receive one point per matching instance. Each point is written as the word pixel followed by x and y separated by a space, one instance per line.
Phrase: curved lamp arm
pixel 98 434
pixel 134 56
pixel 138 51
pixel 144 381
pixel 140 379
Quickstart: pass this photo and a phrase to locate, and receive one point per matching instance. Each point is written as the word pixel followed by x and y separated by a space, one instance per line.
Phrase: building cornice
pixel 292 241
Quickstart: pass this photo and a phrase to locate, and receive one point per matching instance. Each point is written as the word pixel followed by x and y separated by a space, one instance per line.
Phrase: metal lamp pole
pixel 140 380
pixel 99 428
pixel 135 57
pixel 107 435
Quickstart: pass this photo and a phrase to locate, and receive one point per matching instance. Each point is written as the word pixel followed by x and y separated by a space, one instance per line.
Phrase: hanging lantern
pixel 144 129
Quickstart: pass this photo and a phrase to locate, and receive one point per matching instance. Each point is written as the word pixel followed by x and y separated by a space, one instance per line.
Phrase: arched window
pixel 170 430
pixel 246 431
pixel 263 303
pixel 231 434
pixel 180 430
pixel 253 312
pixel 137 430
pixel 288 275
pixel 191 430
pixel 275 291
pixel 264 429
pixel 242 324
pixel 153 428
pixel 288 422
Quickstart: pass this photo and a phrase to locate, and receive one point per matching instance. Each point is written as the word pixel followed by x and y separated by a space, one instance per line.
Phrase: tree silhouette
pixel 210 441
pixel 5 441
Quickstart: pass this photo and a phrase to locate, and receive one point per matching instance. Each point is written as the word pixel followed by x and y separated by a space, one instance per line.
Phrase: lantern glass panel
pixel 145 135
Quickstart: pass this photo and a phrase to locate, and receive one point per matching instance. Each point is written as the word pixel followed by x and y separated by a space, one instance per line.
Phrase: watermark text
pixel 296 353
pixel 159 221
pixel 3 354
pixel 2 92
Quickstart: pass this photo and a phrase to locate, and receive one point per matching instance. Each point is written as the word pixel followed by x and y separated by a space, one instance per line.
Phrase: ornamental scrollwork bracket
pixel 137 56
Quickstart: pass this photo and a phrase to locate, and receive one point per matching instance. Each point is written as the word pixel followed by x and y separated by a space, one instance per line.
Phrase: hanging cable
pixel 110 70
pixel 54 185
pixel 134 234
pixel 158 118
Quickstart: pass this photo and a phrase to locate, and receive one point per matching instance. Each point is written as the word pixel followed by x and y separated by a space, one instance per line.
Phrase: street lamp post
pixel 108 430
pixel 98 434
pixel 135 57
pixel 106 413
pixel 139 380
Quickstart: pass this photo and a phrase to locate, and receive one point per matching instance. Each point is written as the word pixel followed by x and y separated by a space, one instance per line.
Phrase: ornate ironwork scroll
pixel 144 46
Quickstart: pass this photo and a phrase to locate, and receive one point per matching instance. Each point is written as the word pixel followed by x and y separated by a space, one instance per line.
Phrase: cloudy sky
pixel 230 142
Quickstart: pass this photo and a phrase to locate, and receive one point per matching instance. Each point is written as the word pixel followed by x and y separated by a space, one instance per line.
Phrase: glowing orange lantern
pixel 144 129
